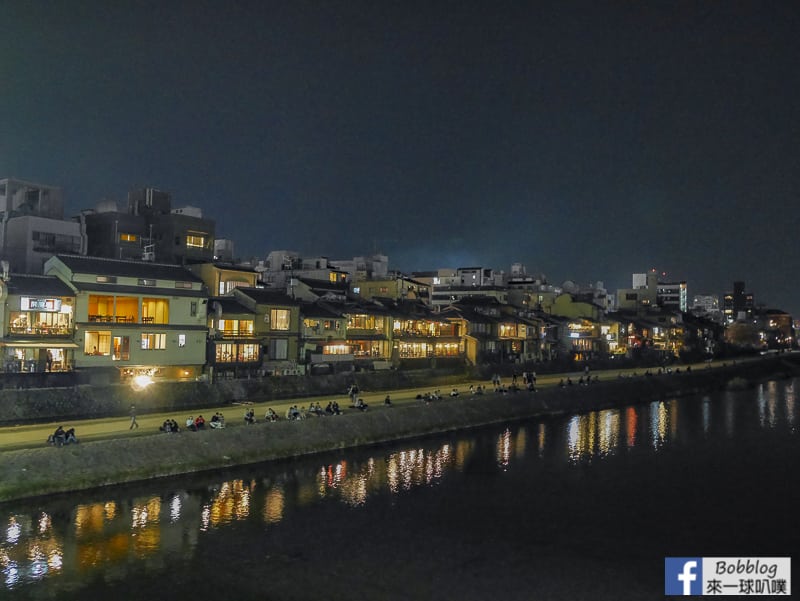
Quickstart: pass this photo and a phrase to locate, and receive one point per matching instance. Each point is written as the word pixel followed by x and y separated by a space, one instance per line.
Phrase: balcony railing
pixel 41 330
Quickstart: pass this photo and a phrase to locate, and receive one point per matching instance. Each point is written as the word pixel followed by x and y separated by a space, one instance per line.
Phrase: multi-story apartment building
pixel 135 318
pixel 738 305
pixel 32 225
pixel 150 229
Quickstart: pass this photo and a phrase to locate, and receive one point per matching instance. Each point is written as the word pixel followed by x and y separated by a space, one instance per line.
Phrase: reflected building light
pixel 609 431
pixel 573 438
pixel 55 560
pixel 232 502
pixel 274 505
pixel 175 507
pixel 706 415
pixel 205 518
pixel 772 404
pixel 658 424
pixel 45 523
pixel 790 410
pixel 144 513
pixel 631 426
pixel 354 490
pixel 11 573
pixel 13 531
pixel 38 563
pixel 590 435
pixel 110 510
pixel 520 442
pixel 463 452
pixel 541 438
pixel 503 449
pixel 393 474
pixel 761 402
pixel 672 418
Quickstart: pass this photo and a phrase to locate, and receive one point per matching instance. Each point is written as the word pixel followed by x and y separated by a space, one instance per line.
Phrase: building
pixel 19 197
pixel 36 324
pixel 135 318
pixel 672 295
pixel 32 226
pixel 149 230
pixel 737 305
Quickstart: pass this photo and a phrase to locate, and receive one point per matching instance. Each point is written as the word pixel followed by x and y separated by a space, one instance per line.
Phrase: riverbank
pixel 43 471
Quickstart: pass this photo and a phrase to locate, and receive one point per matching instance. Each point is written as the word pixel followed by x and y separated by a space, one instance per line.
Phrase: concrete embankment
pixel 36 472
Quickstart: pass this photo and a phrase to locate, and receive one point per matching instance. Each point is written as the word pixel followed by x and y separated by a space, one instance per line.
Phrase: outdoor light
pixel 141 382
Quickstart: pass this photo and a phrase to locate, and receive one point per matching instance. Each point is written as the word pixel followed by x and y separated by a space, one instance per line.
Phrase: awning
pixel 29 344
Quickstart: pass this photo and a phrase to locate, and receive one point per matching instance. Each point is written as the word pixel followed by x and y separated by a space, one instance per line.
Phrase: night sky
pixel 587 140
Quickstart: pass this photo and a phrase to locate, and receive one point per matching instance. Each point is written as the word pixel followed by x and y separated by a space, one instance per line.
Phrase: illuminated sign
pixel 40 304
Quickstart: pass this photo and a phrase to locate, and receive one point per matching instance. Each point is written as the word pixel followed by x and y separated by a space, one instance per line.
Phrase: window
pixel 146 282
pixel 106 279
pixel 55 243
pixel 155 310
pixel 279 349
pixel 97 342
pixel 224 353
pixel 152 341
pixel 181 340
pixel 186 285
pixel 122 348
pixel 227 286
pixel 195 241
pixel 193 308
pixel 248 352
pixel 279 318
pixel 128 237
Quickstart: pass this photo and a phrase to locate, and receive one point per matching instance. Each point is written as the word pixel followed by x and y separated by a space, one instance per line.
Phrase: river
pixel 572 507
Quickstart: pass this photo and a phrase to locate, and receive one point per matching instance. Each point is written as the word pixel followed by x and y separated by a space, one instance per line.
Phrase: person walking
pixel 134 423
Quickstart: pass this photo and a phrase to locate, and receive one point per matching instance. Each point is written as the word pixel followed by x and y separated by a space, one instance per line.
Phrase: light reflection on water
pixel 71 542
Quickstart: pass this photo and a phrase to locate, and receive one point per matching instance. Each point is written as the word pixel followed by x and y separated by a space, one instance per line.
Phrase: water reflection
pixel 69 542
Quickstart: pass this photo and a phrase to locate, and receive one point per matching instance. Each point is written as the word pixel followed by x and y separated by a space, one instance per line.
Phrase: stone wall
pixel 27 405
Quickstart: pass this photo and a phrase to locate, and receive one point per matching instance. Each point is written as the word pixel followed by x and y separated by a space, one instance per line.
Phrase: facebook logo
pixel 683 575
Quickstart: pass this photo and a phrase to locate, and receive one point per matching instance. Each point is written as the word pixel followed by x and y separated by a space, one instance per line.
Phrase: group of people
pixel 169 426
pixel 61 437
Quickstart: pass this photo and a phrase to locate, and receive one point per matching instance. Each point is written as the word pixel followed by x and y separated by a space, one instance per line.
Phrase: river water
pixel 575 507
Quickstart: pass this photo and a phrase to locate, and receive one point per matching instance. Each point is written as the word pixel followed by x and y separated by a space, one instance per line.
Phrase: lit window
pixel 181 340
pixel 195 241
pixel 127 237
pixel 279 318
pixel 146 282
pixel 154 341
pixel 97 342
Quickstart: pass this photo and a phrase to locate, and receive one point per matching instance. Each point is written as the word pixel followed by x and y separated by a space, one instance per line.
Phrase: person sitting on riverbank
pixel 190 425
pixel 479 389
pixel 217 421
pixel 166 426
pixel 270 415
pixel 57 438
pixel 561 383
pixel 361 405
pixel 250 416
pixel 293 413
pixel 200 422
pixel 454 392
pixel 336 410
pixel 387 401
pixel 69 436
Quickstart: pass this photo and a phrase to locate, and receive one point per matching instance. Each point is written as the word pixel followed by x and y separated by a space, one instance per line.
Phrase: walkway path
pixel 35 435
